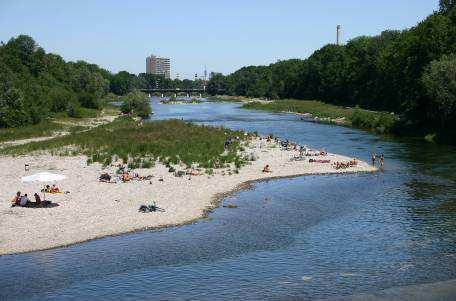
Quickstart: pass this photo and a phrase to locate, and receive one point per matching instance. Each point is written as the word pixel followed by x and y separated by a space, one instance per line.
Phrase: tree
pixel 439 80
pixel 12 109
pixel 447 5
pixel 59 98
pixel 217 84
pixel 122 83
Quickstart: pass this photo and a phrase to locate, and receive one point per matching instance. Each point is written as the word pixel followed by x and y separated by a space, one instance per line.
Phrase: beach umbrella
pixel 43 177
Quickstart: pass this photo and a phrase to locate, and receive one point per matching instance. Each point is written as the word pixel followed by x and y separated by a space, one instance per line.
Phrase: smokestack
pixel 338 35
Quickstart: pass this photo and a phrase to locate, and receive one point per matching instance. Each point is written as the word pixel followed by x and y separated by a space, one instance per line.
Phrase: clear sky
pixel 224 35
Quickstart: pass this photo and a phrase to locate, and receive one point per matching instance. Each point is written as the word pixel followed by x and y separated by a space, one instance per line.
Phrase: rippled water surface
pixel 308 237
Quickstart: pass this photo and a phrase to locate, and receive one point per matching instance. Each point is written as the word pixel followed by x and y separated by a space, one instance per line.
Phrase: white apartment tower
pixel 158 65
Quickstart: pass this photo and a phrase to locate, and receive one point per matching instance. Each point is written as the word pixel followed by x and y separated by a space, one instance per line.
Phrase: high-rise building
pixel 158 65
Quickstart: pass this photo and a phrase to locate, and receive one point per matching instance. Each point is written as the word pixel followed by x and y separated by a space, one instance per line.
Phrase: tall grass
pixel 170 141
pixel 45 128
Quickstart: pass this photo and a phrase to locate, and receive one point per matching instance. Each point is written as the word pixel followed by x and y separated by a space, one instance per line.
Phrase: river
pixel 307 237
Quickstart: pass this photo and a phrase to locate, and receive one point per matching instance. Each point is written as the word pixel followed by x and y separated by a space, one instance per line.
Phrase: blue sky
pixel 224 35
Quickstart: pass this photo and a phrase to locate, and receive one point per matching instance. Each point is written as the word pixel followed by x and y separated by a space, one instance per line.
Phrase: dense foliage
pixel 407 72
pixel 35 84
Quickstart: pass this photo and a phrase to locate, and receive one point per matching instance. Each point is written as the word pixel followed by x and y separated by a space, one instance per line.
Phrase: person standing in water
pixel 373 157
pixel 382 160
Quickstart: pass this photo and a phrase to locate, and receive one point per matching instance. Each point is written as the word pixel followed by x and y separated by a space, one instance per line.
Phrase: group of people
pixel 51 189
pixel 343 165
pixel 24 201
pixel 381 159
pixel 316 153
pixel 124 176
pixel 319 161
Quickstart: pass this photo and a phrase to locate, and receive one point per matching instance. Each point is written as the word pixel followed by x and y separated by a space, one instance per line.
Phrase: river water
pixel 305 238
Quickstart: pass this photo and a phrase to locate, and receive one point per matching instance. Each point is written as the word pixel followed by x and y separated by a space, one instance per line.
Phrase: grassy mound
pixel 139 144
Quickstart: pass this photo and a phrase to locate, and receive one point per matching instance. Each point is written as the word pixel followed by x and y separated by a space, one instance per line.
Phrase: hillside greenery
pixel 35 85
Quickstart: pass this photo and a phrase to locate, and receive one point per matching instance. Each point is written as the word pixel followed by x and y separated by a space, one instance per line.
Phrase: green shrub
pixel 136 103
pixel 88 100
pixel 74 110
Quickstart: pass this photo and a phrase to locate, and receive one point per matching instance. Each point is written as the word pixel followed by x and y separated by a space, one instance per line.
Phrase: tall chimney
pixel 338 35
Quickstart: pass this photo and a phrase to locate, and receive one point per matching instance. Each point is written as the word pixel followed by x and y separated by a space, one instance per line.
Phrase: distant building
pixel 212 74
pixel 158 65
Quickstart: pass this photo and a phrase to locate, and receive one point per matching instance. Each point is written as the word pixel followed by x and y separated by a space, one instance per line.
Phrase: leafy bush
pixel 88 100
pixel 74 110
pixel 136 103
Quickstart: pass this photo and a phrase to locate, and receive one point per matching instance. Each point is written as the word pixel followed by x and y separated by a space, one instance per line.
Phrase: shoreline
pixel 341 121
pixel 89 211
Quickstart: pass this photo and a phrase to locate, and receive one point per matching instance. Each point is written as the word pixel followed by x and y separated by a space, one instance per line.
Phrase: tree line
pixel 35 85
pixel 410 72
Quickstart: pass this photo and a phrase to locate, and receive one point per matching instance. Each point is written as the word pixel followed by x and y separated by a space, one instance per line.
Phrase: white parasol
pixel 43 177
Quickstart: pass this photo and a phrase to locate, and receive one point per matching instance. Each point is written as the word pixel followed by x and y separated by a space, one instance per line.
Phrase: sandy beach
pixel 94 209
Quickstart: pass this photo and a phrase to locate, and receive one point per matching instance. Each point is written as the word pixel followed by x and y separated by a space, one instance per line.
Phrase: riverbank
pixel 94 209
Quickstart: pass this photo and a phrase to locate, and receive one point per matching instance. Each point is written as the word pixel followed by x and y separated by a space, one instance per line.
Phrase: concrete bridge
pixel 175 91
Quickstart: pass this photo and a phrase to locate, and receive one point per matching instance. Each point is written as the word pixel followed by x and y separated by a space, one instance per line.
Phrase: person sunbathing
pixel 192 172
pixel 126 177
pixel 267 168
pixel 105 177
pixel 54 189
